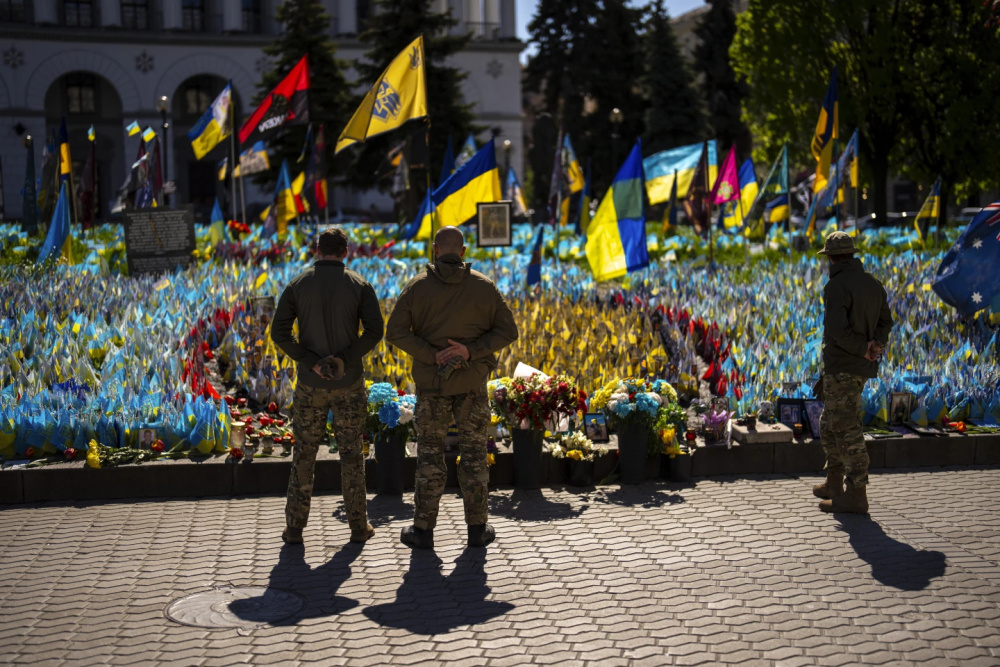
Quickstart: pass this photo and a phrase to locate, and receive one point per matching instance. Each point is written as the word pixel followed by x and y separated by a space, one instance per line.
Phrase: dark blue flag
pixel 535 265
pixel 967 278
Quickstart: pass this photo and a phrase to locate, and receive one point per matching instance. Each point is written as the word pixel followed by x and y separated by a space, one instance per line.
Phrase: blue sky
pixel 526 10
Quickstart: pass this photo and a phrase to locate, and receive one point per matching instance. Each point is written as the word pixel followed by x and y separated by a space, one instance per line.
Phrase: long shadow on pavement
pixel 893 563
pixel 382 510
pixel 429 603
pixel 532 505
pixel 318 587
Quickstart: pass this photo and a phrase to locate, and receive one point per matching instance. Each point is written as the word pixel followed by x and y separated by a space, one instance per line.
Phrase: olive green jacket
pixel 451 301
pixel 857 311
pixel 329 301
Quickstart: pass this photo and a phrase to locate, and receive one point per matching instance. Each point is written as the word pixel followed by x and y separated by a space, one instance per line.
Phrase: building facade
pixel 107 63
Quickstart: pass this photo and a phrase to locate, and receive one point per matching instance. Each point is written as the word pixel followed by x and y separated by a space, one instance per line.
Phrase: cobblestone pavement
pixel 738 571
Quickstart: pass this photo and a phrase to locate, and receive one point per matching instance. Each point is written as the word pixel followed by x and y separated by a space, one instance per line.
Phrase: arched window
pixel 81 93
pixel 12 11
pixel 78 13
pixel 135 14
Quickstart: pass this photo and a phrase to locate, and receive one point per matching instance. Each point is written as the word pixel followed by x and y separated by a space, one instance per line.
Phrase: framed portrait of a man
pixel 493 224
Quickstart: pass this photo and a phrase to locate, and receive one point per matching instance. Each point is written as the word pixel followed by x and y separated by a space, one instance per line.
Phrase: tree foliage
pixel 306 31
pixel 392 26
pixel 722 92
pixel 674 115
pixel 895 60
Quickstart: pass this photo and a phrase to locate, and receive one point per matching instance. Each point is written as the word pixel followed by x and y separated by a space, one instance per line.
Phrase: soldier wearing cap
pixel 856 328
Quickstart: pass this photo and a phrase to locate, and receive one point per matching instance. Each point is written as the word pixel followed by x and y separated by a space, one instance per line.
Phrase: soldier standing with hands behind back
pixel 451 320
pixel 856 329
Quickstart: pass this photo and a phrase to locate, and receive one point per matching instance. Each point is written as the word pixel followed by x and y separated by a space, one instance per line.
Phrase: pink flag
pixel 727 185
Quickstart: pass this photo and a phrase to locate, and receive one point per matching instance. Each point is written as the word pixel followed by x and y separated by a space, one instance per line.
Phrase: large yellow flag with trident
pixel 399 95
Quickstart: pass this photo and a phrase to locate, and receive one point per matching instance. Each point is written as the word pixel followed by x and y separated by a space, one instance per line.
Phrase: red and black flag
pixel 287 104
pixel 316 171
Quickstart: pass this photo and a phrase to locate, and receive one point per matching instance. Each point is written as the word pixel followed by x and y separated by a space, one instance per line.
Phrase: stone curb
pixel 215 477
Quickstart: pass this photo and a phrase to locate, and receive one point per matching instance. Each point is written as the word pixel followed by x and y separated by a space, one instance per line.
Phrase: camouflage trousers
pixel 471 413
pixel 840 427
pixel 309 413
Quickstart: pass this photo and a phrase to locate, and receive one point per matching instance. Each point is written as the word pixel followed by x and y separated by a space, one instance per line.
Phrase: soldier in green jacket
pixel 328 300
pixel 856 329
pixel 452 321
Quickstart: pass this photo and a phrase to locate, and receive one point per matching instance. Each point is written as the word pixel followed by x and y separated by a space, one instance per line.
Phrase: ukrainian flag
pixel 777 209
pixel 928 214
pixel 420 228
pixel 616 237
pixel 661 167
pixel 214 125
pixel 282 209
pixel 133 128
pixel 65 161
pixel 58 238
pixel 515 194
pixel 736 211
pixel 826 134
pixel 572 170
pixel 217 231
pixel 399 95
pixel 475 181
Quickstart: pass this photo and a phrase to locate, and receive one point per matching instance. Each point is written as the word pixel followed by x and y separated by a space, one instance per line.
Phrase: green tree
pixel 785 49
pixel 952 128
pixel 306 31
pixel 674 116
pixel 722 93
pixel 392 25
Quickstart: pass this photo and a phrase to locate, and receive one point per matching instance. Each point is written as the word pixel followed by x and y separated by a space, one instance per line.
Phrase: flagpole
pixel 788 192
pixel 232 160
pixel 708 208
pixel 243 199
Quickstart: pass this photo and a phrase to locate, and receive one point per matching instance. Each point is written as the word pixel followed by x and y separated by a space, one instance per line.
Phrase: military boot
pixel 292 535
pixel 481 535
pixel 853 501
pixel 362 534
pixel 832 487
pixel 417 538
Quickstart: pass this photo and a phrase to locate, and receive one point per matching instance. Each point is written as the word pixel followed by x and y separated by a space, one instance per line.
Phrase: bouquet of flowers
pixel 531 402
pixel 390 411
pixel 575 446
pixel 650 404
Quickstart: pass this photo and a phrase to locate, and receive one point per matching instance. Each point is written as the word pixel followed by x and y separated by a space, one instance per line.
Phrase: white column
pixel 232 16
pixel 111 13
pixel 458 13
pixel 348 17
pixel 491 16
pixel 46 11
pixel 474 15
pixel 173 19
pixel 508 18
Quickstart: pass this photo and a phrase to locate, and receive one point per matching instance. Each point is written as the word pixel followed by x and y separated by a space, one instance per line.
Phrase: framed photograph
pixel 813 408
pixel 789 411
pixel 147 436
pixel 493 224
pixel 901 404
pixel 595 427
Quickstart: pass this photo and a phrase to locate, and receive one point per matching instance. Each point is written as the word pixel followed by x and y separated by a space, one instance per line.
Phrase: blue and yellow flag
pixel 535 264
pixel 217 231
pixel 777 209
pixel 736 211
pixel 572 171
pixel 476 181
pixel 133 128
pixel 468 150
pixel 515 194
pixel 399 95
pixel 670 212
pixel 616 237
pixel 148 134
pixel 58 238
pixel 420 228
pixel 65 161
pixel 660 169
pixel 214 125
pixel 826 134
pixel 928 214
pixel 282 209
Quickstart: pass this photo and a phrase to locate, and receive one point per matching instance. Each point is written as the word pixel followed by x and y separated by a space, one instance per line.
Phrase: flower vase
pixel 632 453
pixel 527 446
pixel 580 473
pixel 390 453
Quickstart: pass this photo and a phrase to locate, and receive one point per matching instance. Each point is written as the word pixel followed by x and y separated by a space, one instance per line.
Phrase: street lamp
pixel 163 105
pixel 616 119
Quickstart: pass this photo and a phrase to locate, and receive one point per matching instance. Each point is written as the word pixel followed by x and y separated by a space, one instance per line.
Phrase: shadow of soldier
pixel 317 587
pixel 893 563
pixel 429 603
pixel 639 494
pixel 532 505
pixel 383 509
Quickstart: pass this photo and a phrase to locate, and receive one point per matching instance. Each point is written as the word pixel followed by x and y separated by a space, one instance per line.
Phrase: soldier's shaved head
pixel 449 240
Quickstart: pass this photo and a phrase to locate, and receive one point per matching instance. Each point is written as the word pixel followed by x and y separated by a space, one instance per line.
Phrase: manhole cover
pixel 234 607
